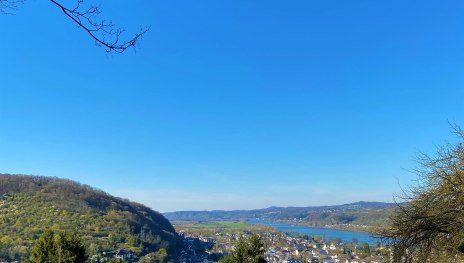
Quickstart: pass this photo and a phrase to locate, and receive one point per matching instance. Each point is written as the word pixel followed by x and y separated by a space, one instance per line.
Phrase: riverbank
pixel 348 227
pixel 328 233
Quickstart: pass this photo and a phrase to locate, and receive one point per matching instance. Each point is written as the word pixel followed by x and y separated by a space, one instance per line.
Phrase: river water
pixel 344 235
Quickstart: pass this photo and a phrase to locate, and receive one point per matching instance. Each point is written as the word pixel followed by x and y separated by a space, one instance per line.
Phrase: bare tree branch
pixel 429 227
pixel 8 6
pixel 103 32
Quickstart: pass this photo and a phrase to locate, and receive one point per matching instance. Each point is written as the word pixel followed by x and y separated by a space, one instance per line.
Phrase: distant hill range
pixel 30 204
pixel 372 214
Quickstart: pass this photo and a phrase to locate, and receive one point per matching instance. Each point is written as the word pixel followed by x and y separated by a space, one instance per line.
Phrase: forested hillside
pixel 31 204
pixel 372 214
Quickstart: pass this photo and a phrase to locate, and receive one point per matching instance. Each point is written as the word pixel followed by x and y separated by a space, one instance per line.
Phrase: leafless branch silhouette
pixel 7 7
pixel 103 32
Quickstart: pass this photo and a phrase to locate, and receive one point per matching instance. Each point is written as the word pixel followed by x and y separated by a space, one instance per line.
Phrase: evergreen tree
pixel 58 247
pixel 247 251
pixel 241 251
pixel 256 249
pixel 44 248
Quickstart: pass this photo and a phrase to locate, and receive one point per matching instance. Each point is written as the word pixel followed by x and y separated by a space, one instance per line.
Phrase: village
pixel 283 248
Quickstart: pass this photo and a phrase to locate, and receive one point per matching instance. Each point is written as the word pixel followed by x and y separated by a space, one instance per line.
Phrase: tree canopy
pixel 59 247
pixel 429 226
pixel 247 251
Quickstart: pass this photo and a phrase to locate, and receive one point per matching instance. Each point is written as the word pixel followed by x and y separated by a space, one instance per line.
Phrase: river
pixel 344 235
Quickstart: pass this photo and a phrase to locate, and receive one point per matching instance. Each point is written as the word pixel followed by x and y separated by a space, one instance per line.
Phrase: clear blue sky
pixel 233 104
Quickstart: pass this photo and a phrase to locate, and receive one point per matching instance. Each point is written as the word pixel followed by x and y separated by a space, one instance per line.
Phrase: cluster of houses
pixel 283 248
pixel 198 249
pixel 123 254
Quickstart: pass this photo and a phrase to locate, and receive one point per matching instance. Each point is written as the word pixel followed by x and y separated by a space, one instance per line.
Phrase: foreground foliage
pixel 247 251
pixel 29 205
pixel 58 247
pixel 430 227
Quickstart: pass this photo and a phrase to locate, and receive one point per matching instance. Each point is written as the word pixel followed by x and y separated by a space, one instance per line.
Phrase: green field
pixel 219 226
pixel 223 224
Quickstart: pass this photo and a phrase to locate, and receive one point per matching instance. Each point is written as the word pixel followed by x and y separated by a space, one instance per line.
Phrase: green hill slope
pixel 30 204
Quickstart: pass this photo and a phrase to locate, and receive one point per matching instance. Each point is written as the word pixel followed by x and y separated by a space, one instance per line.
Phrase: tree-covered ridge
pixel 370 214
pixel 31 204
